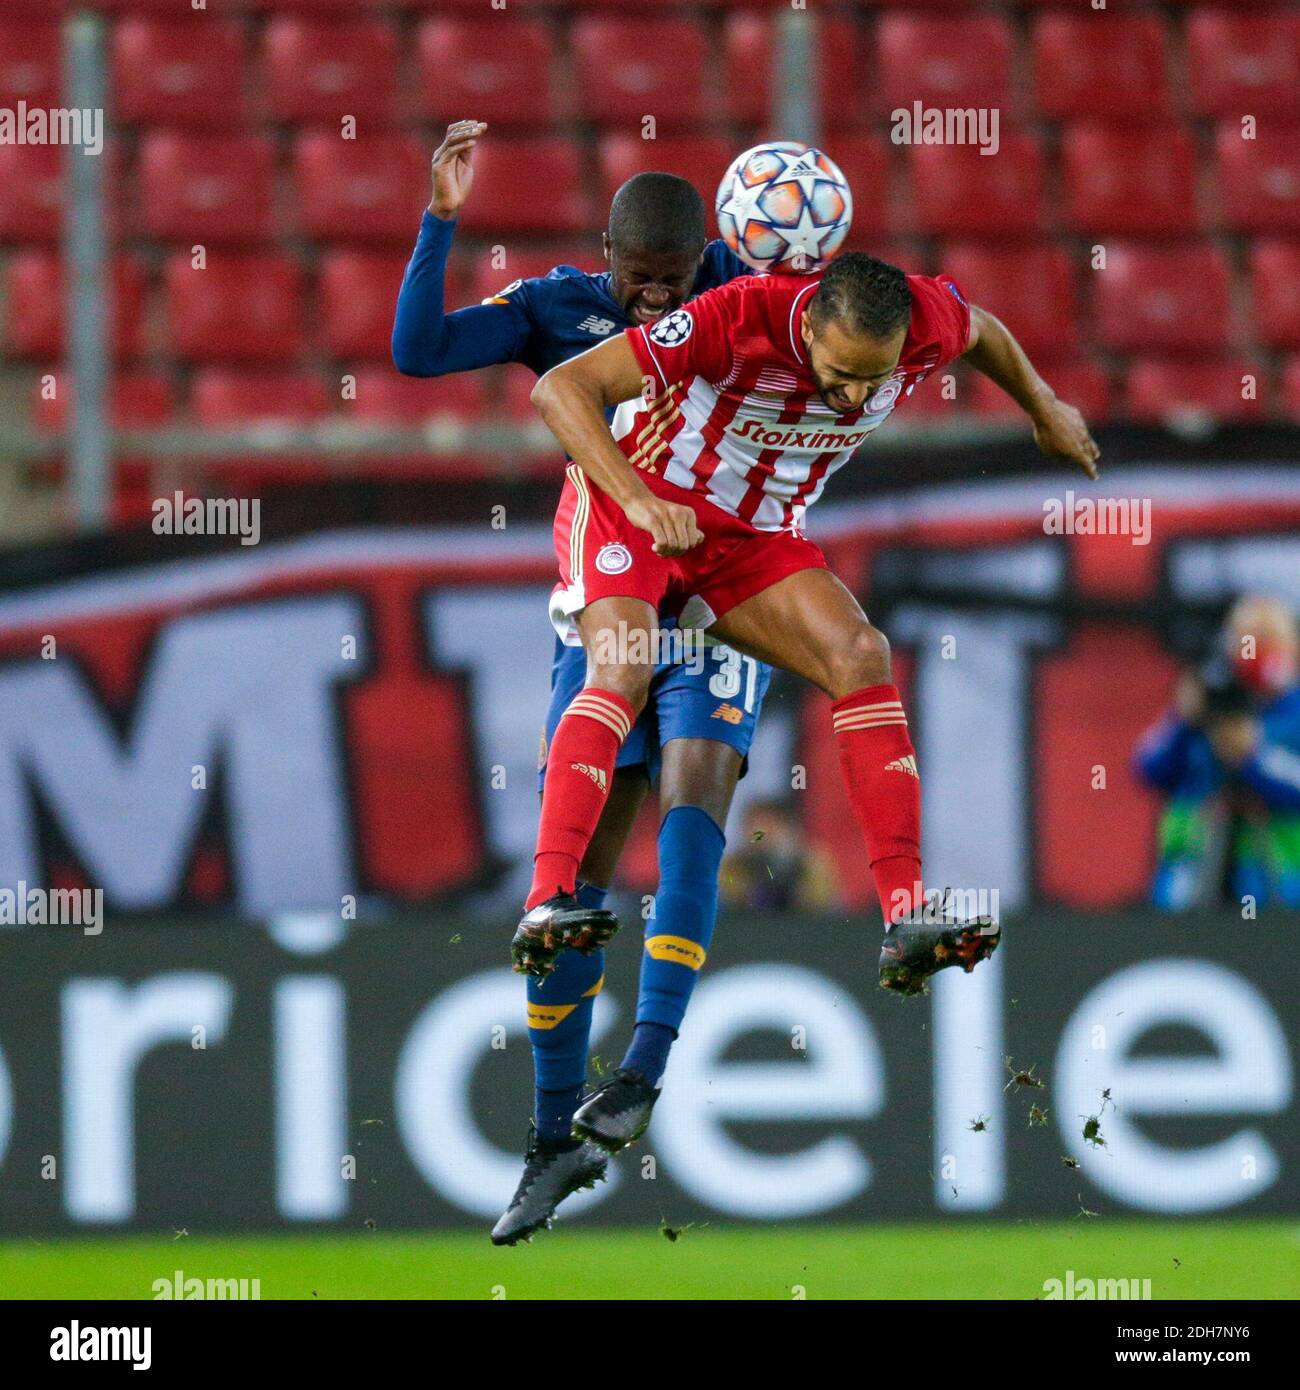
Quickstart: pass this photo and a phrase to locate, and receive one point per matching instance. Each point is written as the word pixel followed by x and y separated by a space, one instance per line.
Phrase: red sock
pixel 879 766
pixel 578 771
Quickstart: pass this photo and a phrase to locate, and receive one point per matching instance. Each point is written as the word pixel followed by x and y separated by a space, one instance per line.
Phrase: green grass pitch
pixel 1245 1259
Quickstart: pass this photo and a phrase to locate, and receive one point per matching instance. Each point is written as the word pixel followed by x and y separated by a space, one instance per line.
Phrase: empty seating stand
pixel 287 143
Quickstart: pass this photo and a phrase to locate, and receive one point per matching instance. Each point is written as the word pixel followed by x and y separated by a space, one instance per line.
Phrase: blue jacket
pixel 539 322
pixel 1176 758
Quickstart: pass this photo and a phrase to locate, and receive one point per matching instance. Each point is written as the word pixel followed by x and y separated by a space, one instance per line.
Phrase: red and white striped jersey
pixel 736 416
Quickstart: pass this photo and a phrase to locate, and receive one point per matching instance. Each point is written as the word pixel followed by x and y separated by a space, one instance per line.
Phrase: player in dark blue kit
pixel 700 719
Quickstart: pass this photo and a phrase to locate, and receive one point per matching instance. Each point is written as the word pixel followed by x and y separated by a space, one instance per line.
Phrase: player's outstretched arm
pixel 1059 429
pixel 428 341
pixel 452 168
pixel 572 398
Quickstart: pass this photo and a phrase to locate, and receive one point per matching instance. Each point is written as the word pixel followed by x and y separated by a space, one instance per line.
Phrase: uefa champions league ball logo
pixel 673 329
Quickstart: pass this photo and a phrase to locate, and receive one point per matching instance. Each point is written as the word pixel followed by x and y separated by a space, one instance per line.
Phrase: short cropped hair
pixel 657 213
pixel 863 294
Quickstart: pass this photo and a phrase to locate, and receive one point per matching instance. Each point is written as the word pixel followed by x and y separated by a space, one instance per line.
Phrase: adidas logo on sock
pixel 597 774
pixel 905 764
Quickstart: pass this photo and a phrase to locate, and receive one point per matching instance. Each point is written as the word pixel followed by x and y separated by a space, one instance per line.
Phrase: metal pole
pixel 85 250
pixel 795 104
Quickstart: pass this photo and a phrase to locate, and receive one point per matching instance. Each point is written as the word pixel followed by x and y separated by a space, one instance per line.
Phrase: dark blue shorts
pixel 717 695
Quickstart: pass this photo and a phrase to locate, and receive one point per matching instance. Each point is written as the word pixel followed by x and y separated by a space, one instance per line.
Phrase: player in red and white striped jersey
pixel 737 409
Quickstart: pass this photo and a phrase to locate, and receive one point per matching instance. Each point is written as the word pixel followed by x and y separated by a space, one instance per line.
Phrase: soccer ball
pixel 784 207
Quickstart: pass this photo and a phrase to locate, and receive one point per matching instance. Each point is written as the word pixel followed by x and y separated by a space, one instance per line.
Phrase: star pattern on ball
pixel 805 242
pixel 805 238
pixel 743 199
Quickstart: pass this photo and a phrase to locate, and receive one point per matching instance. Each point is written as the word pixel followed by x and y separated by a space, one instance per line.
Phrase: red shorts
pixel 602 555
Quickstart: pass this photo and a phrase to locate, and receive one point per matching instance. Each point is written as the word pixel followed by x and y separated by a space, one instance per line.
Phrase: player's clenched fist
pixel 673 526
pixel 453 169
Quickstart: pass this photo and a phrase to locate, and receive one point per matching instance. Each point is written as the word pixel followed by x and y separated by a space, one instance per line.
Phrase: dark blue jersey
pixel 539 322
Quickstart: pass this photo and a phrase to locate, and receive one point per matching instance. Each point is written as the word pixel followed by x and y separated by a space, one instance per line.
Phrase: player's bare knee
pixel 631 680
pixel 861 661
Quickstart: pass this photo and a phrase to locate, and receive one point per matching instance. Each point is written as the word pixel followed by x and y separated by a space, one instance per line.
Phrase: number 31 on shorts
pixel 734 671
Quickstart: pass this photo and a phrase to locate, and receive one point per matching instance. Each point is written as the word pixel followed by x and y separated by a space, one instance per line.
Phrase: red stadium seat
pixel 224 397
pixel 1166 299
pixel 868 164
pixel 929 404
pixel 642 7
pixel 750 63
pixel 1244 63
pixel 164 8
pixel 924 4
pixel 1080 381
pixel 960 191
pixel 1129 181
pixel 385 398
pixel 500 71
pixel 241 308
pixel 1275 290
pixel 336 8
pixel 187 72
pixel 323 70
pixel 364 190
pixel 1291 389
pixel 358 290
pixel 1161 391
pixel 31 176
pixel 35 290
pixel 511 396
pixel 626 70
pixel 524 262
pixel 942 61
pixel 33 188
pixel 1101 65
pixel 30 57
pixel 36 9
pixel 908 255
pixel 748 49
pixel 532 184
pixel 702 159
pixel 136 400
pixel 1259 179
pixel 205 189
pixel 1032 290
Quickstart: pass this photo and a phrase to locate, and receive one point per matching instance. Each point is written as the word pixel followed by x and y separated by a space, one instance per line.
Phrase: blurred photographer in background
pixel 1228 759
pixel 776 867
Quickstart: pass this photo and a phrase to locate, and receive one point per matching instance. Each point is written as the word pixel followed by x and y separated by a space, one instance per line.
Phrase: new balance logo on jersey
pixel 597 774
pixel 729 714
pixel 905 764
pixel 594 324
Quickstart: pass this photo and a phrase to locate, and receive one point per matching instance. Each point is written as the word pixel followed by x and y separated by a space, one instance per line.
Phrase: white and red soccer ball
pixel 784 207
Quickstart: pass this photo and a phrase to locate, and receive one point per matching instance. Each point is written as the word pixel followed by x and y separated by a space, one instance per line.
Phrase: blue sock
pixel 554 1117
pixel 559 1031
pixel 648 1053
pixel 677 936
